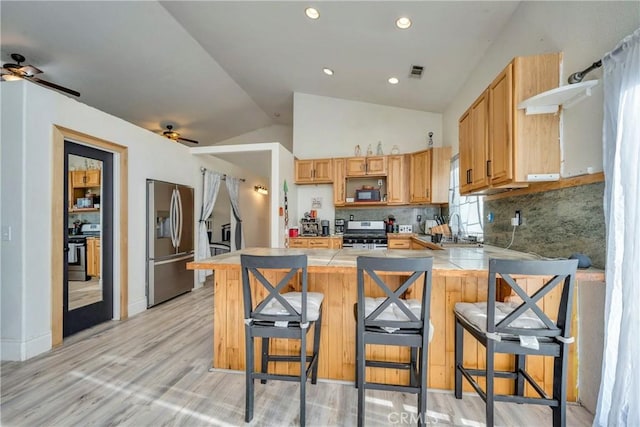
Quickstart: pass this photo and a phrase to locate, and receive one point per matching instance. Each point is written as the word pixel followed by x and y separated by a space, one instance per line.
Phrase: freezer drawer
pixel 168 278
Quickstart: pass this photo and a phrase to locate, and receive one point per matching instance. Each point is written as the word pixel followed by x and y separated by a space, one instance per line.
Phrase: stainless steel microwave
pixel 367 195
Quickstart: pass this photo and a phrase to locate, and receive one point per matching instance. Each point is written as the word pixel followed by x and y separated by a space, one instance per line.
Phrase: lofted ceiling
pixel 218 69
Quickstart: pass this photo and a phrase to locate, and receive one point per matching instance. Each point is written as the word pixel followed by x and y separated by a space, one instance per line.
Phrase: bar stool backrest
pixel 562 274
pixel 415 268
pixel 292 264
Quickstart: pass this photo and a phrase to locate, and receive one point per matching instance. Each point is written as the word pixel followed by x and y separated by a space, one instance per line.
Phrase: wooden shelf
pixel 549 102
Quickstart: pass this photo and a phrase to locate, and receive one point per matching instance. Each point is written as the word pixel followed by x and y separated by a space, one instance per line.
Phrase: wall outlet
pixel 517 219
pixel 405 229
pixel 379 183
pixel 419 218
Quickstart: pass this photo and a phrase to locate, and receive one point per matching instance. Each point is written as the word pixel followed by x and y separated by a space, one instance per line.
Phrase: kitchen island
pixel 459 274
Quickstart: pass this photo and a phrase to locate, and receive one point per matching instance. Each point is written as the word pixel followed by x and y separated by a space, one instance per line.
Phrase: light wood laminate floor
pixel 153 369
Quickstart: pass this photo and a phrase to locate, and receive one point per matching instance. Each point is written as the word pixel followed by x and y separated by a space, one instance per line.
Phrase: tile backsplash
pixel 556 223
pixel 402 214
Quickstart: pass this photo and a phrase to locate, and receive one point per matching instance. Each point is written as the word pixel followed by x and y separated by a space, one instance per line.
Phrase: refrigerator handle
pixel 172 218
pixel 179 227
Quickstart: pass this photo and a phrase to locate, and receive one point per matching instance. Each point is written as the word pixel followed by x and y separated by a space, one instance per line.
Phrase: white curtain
pixel 209 195
pixel 619 397
pixel 233 186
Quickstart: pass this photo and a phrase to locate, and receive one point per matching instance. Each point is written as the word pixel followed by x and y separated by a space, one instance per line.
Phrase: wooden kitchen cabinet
pixel 397 179
pixel 399 242
pixel 316 171
pixel 429 176
pixel 474 146
pixel 339 183
pixel 366 166
pixel 85 178
pixel 519 148
pixel 93 256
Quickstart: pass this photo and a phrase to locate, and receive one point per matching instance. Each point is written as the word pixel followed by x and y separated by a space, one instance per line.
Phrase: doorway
pixel 88 230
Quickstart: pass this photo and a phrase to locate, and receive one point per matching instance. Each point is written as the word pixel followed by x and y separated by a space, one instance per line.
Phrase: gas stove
pixel 365 235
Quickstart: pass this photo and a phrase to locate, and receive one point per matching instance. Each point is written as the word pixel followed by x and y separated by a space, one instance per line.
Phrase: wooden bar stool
pixel 279 315
pixel 520 328
pixel 394 321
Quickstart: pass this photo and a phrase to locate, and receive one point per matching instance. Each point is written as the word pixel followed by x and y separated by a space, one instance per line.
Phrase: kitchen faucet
pixel 458 235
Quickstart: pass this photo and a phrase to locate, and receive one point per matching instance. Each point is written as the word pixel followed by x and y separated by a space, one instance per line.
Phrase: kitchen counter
pixel 459 274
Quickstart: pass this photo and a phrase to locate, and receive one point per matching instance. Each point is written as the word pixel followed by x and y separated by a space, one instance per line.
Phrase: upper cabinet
pixel 339 184
pixel 429 176
pixel 397 178
pixel 519 148
pixel 85 178
pixel 316 171
pixel 366 166
pixel 474 145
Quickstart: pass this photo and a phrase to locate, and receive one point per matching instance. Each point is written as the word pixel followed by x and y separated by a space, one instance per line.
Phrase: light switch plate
pixel 405 228
pixel 6 233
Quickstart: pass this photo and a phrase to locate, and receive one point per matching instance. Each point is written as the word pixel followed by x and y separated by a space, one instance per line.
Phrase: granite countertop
pixel 466 258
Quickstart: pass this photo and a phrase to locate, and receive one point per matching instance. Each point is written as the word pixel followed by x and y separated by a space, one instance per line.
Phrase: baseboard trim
pixel 15 350
pixel 137 306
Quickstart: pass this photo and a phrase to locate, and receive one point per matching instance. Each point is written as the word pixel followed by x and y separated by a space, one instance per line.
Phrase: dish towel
pixel 72 255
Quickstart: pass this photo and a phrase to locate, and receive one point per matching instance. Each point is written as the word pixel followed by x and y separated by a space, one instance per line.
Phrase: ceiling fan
pixel 18 71
pixel 172 134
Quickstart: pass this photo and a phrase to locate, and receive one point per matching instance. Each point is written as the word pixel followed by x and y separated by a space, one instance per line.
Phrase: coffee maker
pixel 339 226
pixel 325 227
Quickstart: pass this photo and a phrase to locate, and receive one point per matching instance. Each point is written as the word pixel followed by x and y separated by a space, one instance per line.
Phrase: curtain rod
pixel 578 76
pixel 224 175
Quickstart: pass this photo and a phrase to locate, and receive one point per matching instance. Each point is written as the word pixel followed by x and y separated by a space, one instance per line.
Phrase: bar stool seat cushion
pixel 394 313
pixel 476 314
pixel 314 301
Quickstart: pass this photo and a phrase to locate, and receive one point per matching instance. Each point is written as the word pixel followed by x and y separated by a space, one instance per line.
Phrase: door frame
pixel 58 181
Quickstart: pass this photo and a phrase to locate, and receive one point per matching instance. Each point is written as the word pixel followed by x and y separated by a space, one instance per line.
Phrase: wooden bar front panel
pixel 337 348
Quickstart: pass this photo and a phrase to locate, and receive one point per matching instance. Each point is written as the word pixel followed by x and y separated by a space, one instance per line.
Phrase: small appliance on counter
pixel 339 226
pixel 325 227
pixel 309 227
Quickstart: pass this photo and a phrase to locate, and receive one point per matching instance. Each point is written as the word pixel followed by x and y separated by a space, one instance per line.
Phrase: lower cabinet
pixel 399 241
pixel 93 256
pixel 316 242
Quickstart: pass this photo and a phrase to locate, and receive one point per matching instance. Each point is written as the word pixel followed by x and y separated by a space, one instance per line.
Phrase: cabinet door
pixel 97 256
pixel 78 179
pixel 397 180
pixel 338 182
pixel 440 174
pixel 480 142
pixel 90 255
pixel 466 151
pixel 501 127
pixel 420 177
pixel 335 243
pixel 356 166
pixel 322 170
pixel 376 165
pixel 304 171
pixel 92 178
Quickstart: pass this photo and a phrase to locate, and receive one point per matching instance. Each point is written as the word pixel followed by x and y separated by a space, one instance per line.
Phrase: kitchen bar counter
pixel 460 274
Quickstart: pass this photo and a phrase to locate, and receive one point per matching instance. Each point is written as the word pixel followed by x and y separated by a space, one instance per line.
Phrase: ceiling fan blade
pixel 188 140
pixel 53 86
pixel 29 70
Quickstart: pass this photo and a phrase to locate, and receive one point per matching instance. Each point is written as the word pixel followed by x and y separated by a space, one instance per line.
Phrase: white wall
pixel 331 127
pixel 29 113
pixel 281 133
pixel 584 32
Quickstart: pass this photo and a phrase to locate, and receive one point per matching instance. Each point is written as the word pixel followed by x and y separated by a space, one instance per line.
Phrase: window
pixel 469 208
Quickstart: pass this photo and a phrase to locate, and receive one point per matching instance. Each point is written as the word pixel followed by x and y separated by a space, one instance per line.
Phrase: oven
pixel 370 235
pixel 77 258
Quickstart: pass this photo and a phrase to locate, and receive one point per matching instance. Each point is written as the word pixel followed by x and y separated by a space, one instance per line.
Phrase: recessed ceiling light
pixel 403 23
pixel 328 71
pixel 393 80
pixel 312 13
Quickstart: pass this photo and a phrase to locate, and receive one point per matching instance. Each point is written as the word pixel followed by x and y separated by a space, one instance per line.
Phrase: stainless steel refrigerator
pixel 169 240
